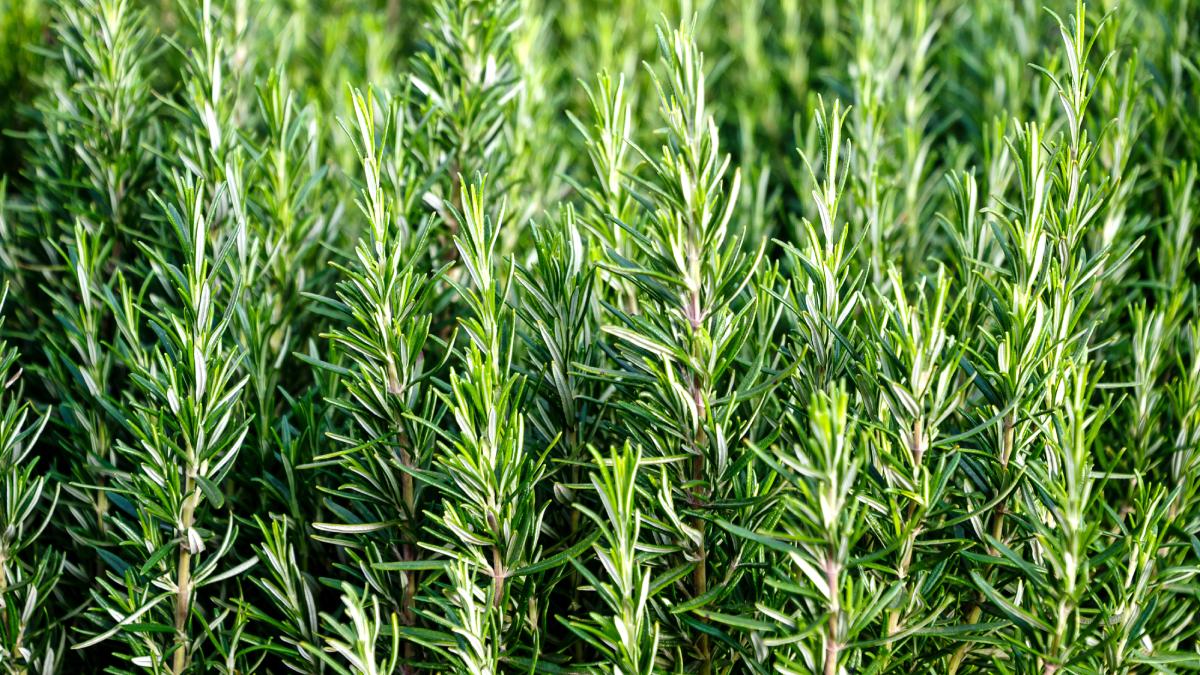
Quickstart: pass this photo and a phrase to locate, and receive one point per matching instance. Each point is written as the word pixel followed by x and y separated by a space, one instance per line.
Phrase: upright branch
pixel 288 225
pixel 1043 367
pixel 469 84
pixel 821 522
pixel 916 365
pixel 625 634
pixel 611 207
pixel 187 426
pixel 691 269
pixel 30 638
pixel 825 291
pixel 90 177
pixel 385 297
pixel 492 512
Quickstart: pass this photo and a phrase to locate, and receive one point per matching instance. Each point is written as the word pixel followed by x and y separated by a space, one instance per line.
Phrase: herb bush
pixel 468 336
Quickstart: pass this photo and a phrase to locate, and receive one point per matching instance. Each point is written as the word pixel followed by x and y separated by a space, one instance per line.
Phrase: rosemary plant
pixel 30 639
pixel 490 336
pixel 186 427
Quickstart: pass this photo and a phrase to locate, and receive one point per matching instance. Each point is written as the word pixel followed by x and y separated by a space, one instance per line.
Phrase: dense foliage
pixel 629 336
